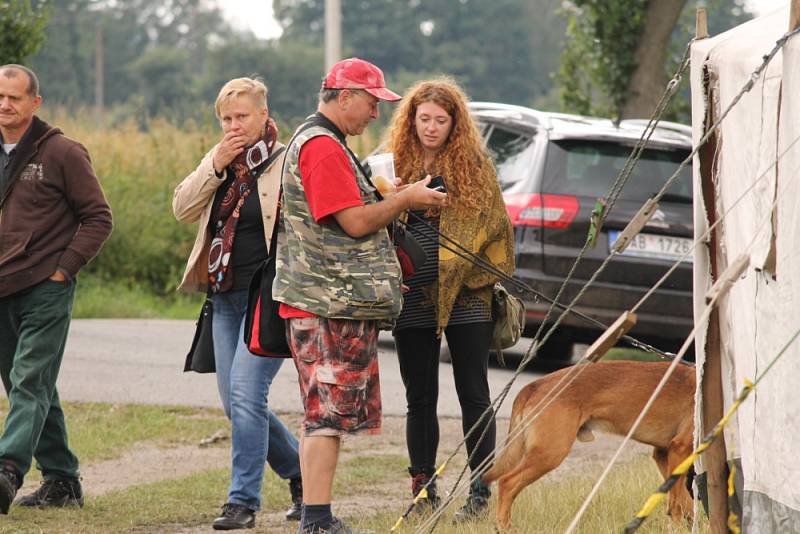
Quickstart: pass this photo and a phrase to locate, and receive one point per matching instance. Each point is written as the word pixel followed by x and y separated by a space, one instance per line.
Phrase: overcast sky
pixel 257 14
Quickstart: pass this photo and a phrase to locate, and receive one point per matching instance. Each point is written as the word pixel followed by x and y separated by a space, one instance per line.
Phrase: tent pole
pixel 700 23
pixel 715 460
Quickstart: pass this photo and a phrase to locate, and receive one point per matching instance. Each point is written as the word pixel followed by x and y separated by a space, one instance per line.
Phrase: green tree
pixel 21 30
pixel 130 28
pixel 502 50
pixel 619 52
pixel 291 71
pixel 160 80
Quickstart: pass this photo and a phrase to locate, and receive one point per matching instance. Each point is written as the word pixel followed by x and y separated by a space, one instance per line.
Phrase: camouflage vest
pixel 321 269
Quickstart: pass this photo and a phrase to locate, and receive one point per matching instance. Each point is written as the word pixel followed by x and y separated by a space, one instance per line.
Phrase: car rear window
pixel 589 168
pixel 512 154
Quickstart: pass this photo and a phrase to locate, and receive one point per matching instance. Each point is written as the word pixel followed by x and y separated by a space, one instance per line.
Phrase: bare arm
pixel 359 221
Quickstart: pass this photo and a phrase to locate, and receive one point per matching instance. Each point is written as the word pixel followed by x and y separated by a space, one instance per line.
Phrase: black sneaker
pixel 235 516
pixel 477 504
pixel 9 482
pixel 56 493
pixel 296 510
pixel 337 526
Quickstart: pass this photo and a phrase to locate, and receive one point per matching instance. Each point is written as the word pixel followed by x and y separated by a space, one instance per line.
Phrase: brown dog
pixel 606 396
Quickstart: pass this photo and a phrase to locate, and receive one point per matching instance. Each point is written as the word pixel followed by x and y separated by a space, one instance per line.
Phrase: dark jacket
pixel 53 213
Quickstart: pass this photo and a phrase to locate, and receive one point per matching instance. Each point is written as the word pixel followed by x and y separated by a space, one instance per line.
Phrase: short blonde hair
pixel 253 87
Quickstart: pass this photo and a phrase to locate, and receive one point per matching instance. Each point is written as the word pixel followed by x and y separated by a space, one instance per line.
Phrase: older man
pixel 53 219
pixel 337 276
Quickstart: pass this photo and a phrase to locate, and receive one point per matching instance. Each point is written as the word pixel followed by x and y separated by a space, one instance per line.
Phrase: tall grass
pixel 549 505
pixel 139 171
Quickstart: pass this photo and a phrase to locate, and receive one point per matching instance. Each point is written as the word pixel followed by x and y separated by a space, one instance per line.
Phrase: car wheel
pixel 558 348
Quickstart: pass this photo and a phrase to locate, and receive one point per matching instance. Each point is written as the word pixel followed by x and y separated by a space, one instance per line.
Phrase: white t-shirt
pixel 8 148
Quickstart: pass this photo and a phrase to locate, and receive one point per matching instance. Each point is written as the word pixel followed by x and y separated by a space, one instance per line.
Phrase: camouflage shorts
pixel 337 364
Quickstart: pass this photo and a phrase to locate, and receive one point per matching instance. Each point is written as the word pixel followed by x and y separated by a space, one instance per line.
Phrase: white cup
pixel 383 176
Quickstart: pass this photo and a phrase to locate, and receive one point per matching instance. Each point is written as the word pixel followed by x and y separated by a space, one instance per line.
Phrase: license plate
pixel 664 247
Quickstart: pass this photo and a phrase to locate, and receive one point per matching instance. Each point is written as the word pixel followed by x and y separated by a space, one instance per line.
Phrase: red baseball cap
pixel 354 73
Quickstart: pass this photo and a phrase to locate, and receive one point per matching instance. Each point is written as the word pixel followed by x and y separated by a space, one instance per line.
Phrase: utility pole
pixel 99 74
pixel 333 32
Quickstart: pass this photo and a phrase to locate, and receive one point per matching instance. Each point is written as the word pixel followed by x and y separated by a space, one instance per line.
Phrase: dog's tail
pixel 515 449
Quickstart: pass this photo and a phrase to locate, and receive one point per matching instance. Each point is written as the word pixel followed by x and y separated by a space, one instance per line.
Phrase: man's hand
pixel 359 221
pixel 58 276
pixel 232 145
pixel 419 196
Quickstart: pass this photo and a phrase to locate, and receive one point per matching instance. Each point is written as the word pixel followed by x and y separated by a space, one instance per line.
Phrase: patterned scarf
pixel 226 214
pixel 488 234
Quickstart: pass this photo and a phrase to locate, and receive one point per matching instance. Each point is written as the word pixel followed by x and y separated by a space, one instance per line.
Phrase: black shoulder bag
pixel 200 358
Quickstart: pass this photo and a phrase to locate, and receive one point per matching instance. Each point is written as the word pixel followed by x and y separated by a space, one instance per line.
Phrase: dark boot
pixel 296 510
pixel 235 516
pixel 420 477
pixel 9 484
pixel 477 503
pixel 55 493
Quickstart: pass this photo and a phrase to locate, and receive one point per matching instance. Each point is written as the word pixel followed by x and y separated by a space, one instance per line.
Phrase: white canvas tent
pixel 759 204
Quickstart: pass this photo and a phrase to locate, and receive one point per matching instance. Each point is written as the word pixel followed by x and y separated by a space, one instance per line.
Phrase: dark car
pixel 552 170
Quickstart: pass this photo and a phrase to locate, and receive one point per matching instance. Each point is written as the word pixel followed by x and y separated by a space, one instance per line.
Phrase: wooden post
pixel 700 24
pixel 333 32
pixel 99 74
pixel 794 15
pixel 715 458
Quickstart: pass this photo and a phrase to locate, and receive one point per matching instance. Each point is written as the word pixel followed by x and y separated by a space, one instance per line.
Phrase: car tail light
pixel 548 211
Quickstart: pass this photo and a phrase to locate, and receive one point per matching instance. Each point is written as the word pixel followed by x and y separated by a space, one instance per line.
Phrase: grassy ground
pixel 97 298
pixel 371 487
pixel 626 353
pixel 100 431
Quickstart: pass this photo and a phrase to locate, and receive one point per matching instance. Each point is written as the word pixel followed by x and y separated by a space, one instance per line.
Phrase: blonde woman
pixel 233 196
pixel 433 134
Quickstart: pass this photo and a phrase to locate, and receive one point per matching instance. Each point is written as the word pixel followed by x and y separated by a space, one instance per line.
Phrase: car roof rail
pixel 538 118
pixel 675 127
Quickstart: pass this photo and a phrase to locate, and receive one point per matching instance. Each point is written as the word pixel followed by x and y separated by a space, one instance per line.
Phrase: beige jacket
pixel 192 202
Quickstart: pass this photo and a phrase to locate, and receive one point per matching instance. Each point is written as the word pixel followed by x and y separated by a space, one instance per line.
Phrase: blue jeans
pixel 243 381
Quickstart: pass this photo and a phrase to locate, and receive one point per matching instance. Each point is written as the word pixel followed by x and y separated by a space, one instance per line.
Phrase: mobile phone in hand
pixel 437 184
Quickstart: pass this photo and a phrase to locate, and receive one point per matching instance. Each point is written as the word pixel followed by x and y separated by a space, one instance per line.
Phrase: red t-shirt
pixel 330 187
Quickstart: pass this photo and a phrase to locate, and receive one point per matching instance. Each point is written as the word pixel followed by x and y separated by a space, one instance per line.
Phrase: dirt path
pixel 148 464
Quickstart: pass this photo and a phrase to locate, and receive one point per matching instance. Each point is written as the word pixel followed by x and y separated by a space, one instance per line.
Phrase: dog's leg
pixel 547 442
pixel 661 457
pixel 680 502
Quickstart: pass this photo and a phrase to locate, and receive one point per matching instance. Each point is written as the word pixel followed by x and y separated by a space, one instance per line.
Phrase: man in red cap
pixel 337 276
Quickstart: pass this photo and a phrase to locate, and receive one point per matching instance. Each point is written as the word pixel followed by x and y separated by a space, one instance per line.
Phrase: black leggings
pixel 418 351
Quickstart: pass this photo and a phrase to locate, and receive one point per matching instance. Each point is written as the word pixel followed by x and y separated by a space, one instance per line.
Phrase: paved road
pixel 141 361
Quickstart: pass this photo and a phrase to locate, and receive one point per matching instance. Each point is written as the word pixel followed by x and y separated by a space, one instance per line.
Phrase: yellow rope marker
pixel 733 519
pixel 658 496
pixel 423 494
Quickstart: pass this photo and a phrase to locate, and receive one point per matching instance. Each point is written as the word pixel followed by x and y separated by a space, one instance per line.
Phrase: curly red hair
pixel 461 159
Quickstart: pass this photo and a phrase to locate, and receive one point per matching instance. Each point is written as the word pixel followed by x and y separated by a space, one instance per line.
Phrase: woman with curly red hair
pixel 433 134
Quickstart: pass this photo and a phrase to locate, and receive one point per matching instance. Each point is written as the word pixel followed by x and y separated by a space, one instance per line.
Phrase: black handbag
pixel 264 328
pixel 410 253
pixel 200 358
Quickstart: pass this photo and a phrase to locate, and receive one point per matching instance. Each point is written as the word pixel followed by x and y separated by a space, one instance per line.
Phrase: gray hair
pixel 327 95
pixel 12 70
